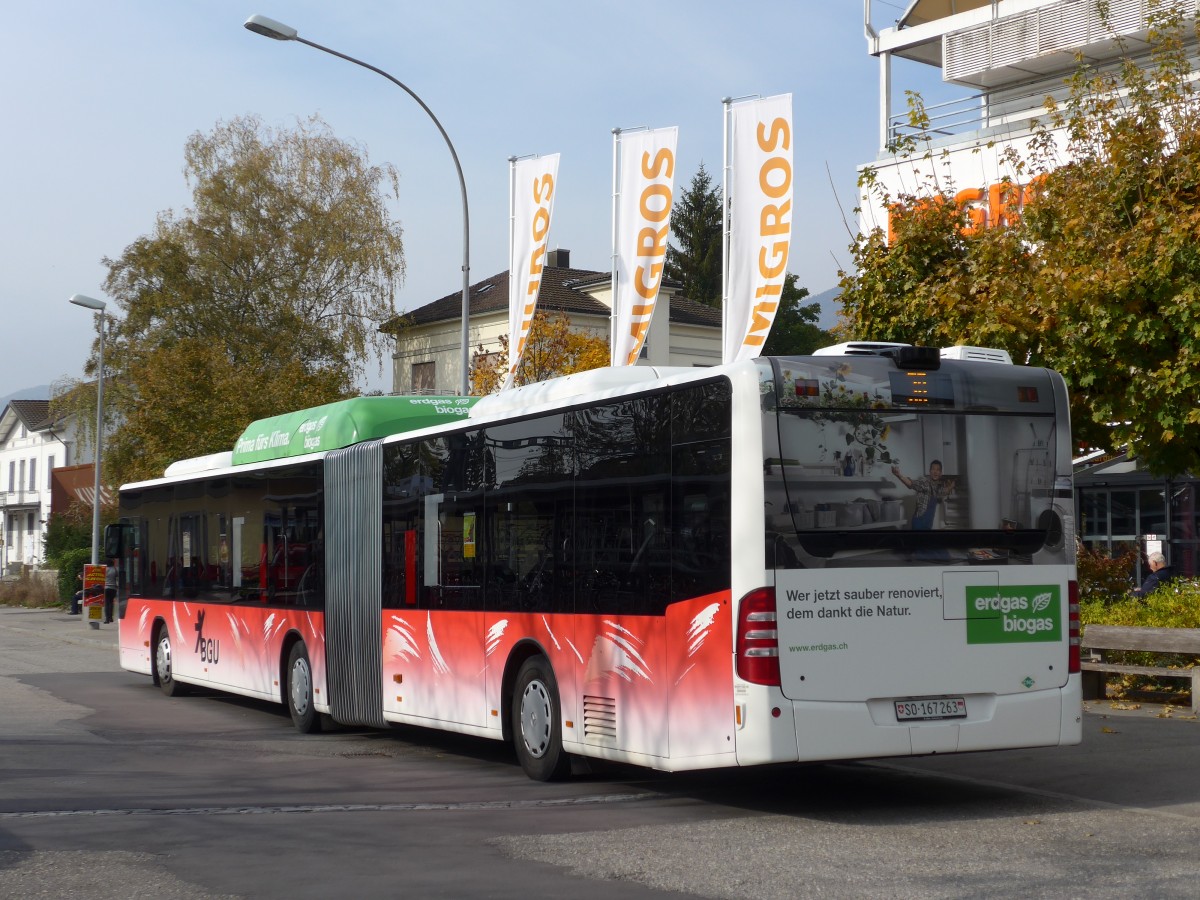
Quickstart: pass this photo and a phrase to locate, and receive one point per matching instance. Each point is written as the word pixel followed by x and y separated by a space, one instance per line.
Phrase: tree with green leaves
pixel 72 529
pixel 1099 278
pixel 263 297
pixel 694 250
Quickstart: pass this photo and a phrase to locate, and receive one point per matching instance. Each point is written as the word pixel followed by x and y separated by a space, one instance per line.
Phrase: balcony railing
pixel 1011 109
pixel 12 499
pixel 1007 48
pixel 1015 109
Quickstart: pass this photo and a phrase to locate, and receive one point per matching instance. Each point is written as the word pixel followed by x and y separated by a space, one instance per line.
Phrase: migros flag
pixel 533 186
pixel 644 177
pixel 759 192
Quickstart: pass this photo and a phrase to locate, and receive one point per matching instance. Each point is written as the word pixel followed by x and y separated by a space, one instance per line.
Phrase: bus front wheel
pixel 537 722
pixel 300 691
pixel 164 670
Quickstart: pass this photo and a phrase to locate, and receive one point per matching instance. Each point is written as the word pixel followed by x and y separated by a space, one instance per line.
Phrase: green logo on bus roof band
pixel 341 424
pixel 1014 614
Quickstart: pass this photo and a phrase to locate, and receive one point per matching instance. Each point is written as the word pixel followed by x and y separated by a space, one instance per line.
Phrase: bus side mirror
pixel 112 542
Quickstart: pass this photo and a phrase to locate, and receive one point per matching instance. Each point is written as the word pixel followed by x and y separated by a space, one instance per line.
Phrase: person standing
pixel 930 490
pixel 111 580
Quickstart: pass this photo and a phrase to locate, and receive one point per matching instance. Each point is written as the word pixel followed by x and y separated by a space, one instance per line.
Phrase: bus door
pixel 353 508
pixel 699 618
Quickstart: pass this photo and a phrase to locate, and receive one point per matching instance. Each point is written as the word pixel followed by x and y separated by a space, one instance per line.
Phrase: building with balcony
pixel 1001 60
pixel 1004 58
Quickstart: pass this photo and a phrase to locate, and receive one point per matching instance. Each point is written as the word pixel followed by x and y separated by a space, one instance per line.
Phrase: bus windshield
pixel 868 464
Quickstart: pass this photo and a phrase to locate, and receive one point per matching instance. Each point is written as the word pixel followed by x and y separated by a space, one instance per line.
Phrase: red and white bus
pixel 782 559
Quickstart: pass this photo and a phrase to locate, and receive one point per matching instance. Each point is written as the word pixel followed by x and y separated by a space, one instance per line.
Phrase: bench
pixel 1098 638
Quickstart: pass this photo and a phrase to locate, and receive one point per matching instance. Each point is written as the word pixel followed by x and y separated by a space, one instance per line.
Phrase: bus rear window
pixel 870 486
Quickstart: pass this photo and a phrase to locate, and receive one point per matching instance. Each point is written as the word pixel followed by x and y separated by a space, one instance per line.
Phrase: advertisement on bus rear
pixel 991 630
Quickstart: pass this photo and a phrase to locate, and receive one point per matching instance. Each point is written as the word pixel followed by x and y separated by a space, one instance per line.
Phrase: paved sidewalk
pixel 55 623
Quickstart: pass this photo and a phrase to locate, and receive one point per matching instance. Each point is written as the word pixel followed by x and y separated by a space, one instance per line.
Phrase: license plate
pixel 931 708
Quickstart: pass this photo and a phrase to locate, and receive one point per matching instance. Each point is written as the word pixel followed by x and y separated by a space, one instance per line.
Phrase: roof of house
pixel 34 413
pixel 561 291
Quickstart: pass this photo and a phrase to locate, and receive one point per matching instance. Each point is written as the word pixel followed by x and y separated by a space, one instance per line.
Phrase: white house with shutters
pixel 32 446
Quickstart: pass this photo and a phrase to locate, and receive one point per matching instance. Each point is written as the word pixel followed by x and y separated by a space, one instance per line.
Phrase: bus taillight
pixel 758 638
pixel 1073 627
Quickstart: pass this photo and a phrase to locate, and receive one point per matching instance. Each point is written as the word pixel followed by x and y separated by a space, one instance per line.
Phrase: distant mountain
pixel 41 392
pixel 830 307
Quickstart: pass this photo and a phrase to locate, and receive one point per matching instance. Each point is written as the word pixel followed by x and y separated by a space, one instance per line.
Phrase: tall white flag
pixel 532 188
pixel 644 174
pixel 759 192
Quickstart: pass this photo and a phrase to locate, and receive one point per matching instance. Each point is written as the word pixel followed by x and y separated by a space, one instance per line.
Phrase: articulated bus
pixel 777 560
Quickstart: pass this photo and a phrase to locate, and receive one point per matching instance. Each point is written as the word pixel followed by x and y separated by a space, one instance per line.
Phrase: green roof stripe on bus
pixel 344 423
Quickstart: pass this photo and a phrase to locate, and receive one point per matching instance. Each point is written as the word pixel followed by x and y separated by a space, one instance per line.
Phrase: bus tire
pixel 537 722
pixel 164 666
pixel 300 691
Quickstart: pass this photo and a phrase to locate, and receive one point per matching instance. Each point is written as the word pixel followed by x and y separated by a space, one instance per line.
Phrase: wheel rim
pixel 163 659
pixel 536 718
pixel 301 686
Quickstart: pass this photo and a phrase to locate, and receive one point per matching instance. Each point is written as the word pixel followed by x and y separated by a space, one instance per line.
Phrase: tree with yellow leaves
pixel 1098 279
pixel 553 349
pixel 264 297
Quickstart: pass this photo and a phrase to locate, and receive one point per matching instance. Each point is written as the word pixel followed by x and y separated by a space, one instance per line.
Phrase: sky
pixel 100 98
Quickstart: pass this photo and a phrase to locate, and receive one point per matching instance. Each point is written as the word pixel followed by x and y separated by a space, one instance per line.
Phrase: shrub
pixel 1174 605
pixel 70 567
pixel 1103 578
pixel 32 588
pixel 67 531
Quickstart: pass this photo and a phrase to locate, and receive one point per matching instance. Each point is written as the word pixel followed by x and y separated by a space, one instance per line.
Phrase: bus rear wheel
pixel 300 691
pixel 164 671
pixel 537 722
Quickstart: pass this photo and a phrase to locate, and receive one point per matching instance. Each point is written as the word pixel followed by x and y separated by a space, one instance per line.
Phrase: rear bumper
pixel 837 730
pixel 813 731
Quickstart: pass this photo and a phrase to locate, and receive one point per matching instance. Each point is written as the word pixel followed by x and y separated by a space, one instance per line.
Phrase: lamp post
pixel 98 306
pixel 280 32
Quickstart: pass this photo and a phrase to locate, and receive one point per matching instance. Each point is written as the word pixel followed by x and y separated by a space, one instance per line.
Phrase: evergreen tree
pixel 694 257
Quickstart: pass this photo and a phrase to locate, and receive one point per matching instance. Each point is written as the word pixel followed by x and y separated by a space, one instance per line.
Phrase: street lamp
pixel 280 32
pixel 98 306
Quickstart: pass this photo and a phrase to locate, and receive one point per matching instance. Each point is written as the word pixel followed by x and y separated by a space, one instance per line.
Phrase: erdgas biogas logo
pixel 1014 613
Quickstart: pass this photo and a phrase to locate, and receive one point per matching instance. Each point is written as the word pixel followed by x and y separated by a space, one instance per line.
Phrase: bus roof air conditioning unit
pixel 858 348
pixel 978 354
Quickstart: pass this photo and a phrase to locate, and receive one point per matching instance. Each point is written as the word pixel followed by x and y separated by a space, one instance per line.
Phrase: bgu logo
pixel 208 649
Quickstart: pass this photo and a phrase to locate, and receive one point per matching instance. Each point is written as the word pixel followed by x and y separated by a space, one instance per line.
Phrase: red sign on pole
pixel 93 590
